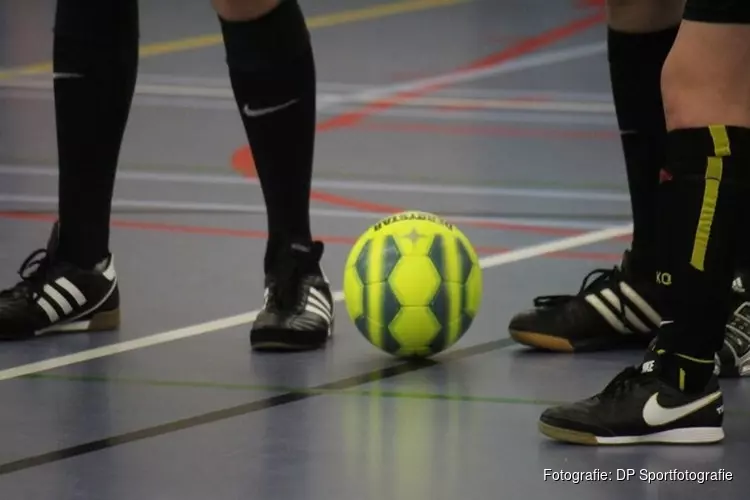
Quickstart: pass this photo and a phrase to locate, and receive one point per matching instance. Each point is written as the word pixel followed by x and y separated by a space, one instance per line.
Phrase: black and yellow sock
pixel 685 372
pixel 635 63
pixel 698 221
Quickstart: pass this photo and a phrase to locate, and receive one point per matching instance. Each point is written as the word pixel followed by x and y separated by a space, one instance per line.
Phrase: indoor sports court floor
pixel 495 114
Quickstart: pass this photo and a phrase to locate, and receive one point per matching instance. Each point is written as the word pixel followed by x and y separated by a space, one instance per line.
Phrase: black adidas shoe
pixel 298 310
pixel 637 407
pixel 56 297
pixel 607 313
pixel 734 357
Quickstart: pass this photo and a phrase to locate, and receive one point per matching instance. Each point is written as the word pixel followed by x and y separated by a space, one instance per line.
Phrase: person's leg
pixel 707 106
pixel 674 396
pixel 73 286
pixel 640 35
pixel 735 354
pixel 272 71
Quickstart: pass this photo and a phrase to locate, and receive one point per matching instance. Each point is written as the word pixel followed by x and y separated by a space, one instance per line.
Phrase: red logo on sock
pixel 664 176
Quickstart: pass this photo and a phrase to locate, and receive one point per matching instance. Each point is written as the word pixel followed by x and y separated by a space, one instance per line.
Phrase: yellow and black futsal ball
pixel 413 284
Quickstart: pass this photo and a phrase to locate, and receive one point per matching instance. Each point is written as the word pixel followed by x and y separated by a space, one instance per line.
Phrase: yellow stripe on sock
pixel 695 360
pixel 714 172
pixel 721 140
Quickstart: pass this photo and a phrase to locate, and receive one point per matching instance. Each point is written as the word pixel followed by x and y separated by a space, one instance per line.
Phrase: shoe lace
pixel 622 383
pixel 590 281
pixel 737 331
pixel 285 290
pixel 32 272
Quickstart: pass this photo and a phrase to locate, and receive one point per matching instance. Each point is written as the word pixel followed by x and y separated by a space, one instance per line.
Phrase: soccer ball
pixel 412 284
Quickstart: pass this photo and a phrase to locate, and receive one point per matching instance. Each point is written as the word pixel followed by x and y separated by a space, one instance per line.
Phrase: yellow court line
pixel 313 22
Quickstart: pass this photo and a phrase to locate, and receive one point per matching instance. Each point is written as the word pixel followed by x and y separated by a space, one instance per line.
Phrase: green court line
pixel 377 393
pixel 371 393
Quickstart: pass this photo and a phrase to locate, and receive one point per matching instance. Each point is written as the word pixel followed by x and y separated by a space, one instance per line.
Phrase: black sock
pixel 271 65
pixel 743 259
pixel 686 373
pixel 635 63
pixel 95 65
pixel 699 219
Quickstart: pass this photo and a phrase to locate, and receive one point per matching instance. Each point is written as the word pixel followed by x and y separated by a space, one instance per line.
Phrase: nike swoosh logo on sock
pixel 255 113
pixel 655 415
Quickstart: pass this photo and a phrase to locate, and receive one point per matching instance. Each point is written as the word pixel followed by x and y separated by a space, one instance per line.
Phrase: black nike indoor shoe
pixel 298 312
pixel 610 311
pixel 638 407
pixel 55 297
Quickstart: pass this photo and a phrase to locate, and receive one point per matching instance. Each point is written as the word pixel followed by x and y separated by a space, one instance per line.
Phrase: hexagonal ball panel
pixel 467 264
pixel 473 292
pixel 414 327
pixel 363 261
pixel 354 293
pixel 375 262
pixel 414 281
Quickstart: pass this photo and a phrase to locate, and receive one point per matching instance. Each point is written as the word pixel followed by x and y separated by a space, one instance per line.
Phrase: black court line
pixel 246 408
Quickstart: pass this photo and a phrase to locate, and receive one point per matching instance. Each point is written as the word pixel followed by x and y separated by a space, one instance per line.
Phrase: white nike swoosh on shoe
pixel 655 415
pixel 255 113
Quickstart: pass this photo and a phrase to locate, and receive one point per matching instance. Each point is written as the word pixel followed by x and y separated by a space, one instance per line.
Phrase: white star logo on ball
pixel 414 236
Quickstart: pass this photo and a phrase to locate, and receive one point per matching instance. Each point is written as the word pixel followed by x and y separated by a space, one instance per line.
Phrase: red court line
pixel 483 130
pixel 243 163
pixel 516 50
pixel 160 227
pixel 246 166
pixel 478 106
pixel 590 3
pixel 242 160
pixel 343 201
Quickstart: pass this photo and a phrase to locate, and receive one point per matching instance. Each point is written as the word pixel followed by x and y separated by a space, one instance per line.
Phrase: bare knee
pixel 243 10
pixel 644 16
pixel 706 78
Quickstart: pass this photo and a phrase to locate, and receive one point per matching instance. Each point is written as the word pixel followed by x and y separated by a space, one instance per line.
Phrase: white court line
pixel 513 103
pixel 164 95
pixel 248 317
pixel 49 203
pixel 464 76
pixel 452 78
pixel 384 91
pixel 327 87
pixel 360 186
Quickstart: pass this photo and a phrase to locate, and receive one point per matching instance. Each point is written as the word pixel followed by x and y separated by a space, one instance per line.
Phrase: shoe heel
pixel 105 320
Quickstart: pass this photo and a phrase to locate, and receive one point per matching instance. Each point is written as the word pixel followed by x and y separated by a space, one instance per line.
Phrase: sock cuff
pixel 641 48
pixel 108 23
pixel 94 36
pixel 690 147
pixel 693 359
pixel 277 37
pixel 635 64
